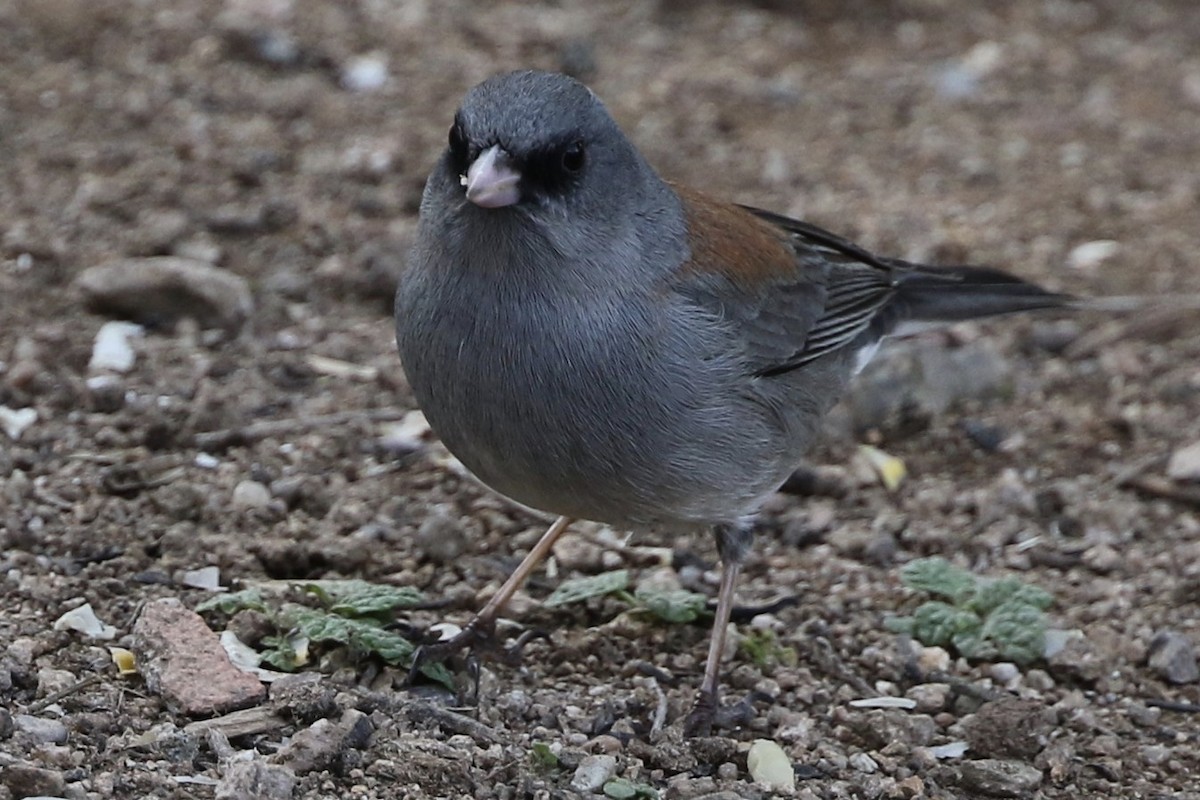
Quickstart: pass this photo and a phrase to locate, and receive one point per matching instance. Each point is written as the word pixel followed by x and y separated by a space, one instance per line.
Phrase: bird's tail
pixel 952 294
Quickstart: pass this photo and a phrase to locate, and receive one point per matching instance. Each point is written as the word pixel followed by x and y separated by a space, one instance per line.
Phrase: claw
pixel 700 721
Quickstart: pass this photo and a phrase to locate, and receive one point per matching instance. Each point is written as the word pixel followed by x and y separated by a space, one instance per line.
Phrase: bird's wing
pixel 795 292
pixel 792 291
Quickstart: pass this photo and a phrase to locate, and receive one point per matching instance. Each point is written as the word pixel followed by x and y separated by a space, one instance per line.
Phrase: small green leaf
pixel 233 602
pixel 939 577
pixel 359 598
pixel 1018 631
pixel 580 589
pixel 971 643
pixel 625 789
pixel 280 653
pixel 986 619
pixel 938 623
pixel 542 756
pixel 992 594
pixel 675 606
pixel 762 647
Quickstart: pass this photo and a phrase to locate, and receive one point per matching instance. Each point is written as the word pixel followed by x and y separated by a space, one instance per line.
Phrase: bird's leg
pixel 733 542
pixel 483 625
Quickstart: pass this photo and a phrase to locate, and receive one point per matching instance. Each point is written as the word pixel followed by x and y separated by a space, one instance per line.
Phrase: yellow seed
pixel 891 470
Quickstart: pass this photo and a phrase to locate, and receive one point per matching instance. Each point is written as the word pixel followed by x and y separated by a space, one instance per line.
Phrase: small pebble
pixel 113 348
pixel 251 494
pixel 1090 255
pixel 864 763
pixel 44 731
pixel 1102 558
pixel 1173 657
pixel 593 772
pixel 15 421
pixel 933 659
pixel 1004 672
pixel 769 765
pixel 1185 463
pixel 164 289
pixel 84 620
pixel 257 779
pixel 365 73
pixel 989 776
pixel 106 393
pixel 26 780
pixel 1155 754
pixel 441 536
pixel 929 697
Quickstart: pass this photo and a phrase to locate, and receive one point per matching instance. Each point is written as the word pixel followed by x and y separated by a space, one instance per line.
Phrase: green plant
pixel 352 614
pixel 543 757
pixel 980 618
pixel 762 647
pixel 625 789
pixel 669 605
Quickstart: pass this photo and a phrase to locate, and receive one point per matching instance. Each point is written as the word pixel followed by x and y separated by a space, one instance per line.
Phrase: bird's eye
pixel 573 156
pixel 458 141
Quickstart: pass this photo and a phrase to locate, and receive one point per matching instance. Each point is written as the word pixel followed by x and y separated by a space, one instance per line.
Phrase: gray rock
pixel 441 537
pixel 322 743
pixel 165 289
pixel 881 727
pixel 1173 657
pixel 262 781
pixel 1072 653
pixel 931 697
pixel 1185 463
pixel 44 731
pixel 304 697
pixel 593 772
pixel 6 724
pixel 251 494
pixel 26 780
pixel 1009 726
pixel 997 778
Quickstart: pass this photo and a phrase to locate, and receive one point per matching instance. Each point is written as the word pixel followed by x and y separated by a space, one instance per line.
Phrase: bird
pixel 597 342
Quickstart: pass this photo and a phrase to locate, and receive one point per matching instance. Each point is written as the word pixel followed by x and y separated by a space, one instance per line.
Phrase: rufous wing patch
pixel 726 239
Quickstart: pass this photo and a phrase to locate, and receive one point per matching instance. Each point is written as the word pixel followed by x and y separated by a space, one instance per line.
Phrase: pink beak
pixel 491 180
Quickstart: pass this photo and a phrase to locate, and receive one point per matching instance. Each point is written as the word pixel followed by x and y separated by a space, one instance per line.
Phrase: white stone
pixel 769 765
pixel 365 73
pixel 84 620
pixel 1185 463
pixel 1090 255
pixel 14 421
pixel 113 348
pixel 251 494
pixel 593 772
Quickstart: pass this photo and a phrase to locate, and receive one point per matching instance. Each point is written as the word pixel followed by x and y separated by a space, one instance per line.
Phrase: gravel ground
pixel 274 152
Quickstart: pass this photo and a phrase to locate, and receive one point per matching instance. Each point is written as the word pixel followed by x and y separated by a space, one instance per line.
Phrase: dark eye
pixel 458 142
pixel 573 156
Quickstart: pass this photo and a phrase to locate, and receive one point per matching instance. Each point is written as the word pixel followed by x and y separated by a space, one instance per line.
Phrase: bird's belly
pixel 557 426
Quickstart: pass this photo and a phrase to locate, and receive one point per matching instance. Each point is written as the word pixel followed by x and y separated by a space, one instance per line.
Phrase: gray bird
pixel 594 341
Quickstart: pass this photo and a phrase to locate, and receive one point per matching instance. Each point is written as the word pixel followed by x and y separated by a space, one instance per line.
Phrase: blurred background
pixel 241 179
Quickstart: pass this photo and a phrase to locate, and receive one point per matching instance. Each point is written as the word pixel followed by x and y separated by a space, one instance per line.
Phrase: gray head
pixel 535 139
pixel 538 153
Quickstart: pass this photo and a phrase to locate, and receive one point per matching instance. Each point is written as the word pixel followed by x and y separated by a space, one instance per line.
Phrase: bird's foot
pixel 699 721
pixel 708 714
pixel 478 638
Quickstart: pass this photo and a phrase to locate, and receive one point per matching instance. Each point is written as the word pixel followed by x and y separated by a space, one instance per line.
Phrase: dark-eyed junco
pixel 594 341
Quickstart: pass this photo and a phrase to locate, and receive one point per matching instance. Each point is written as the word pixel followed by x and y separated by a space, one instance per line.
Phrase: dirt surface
pixel 236 134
